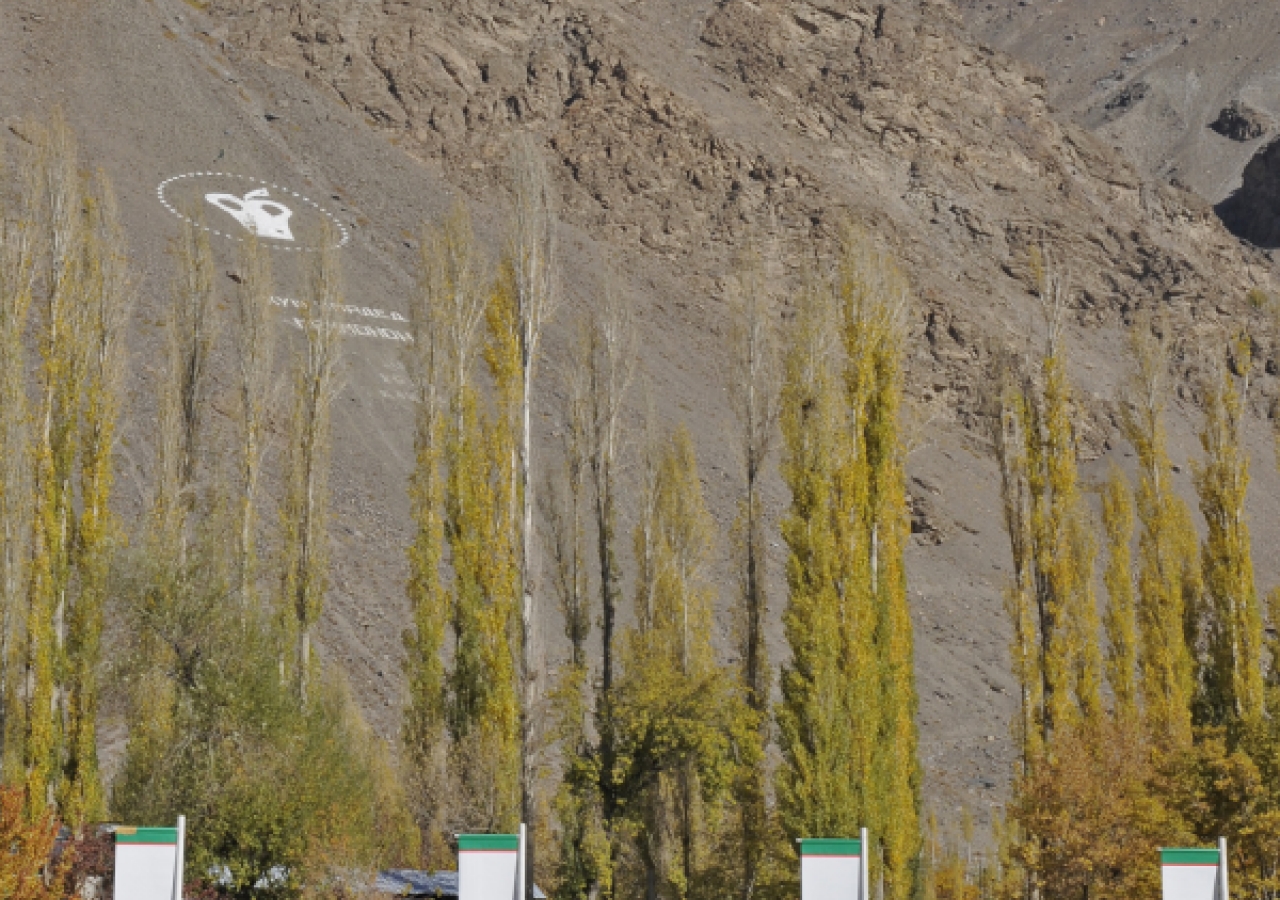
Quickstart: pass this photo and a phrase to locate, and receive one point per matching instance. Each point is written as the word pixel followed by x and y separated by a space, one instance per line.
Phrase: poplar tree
pixel 429 367
pixel 1010 440
pixel 305 509
pixel 1121 618
pixel 173 582
pixel 881 309
pixel 463 725
pixel 105 295
pixel 500 562
pixel 193 325
pixel 679 716
pixel 1064 554
pixel 1168 577
pixel 532 258
pixel 817 734
pixel 255 339
pixel 58 191
pixel 1051 602
pixel 17 284
pixel 610 357
pixel 583 845
pixel 1232 682
pixel 755 395
pixel 62 252
pixel 18 250
pixel 588 801
pixel 847 722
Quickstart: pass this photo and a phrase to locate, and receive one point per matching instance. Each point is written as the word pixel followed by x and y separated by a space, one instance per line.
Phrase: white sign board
pixel 830 869
pixel 1189 874
pixel 488 866
pixel 145 862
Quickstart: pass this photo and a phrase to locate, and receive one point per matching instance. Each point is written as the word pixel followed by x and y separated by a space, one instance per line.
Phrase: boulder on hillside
pixel 1240 122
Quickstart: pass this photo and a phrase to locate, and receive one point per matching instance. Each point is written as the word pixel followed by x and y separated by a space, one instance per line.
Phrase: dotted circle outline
pixel 342 229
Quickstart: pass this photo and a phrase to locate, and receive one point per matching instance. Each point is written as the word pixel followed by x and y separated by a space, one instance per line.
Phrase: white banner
pixel 1189 874
pixel 830 869
pixel 146 863
pixel 487 866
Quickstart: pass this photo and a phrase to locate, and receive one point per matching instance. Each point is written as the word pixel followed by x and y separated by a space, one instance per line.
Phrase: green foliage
pixel 26 846
pixel 305 511
pixel 1231 677
pixel 681 721
pixel 847 720
pixel 1168 577
pixel 463 736
pixel 264 781
pixel 1121 623
pixel 1074 833
pixel 62 253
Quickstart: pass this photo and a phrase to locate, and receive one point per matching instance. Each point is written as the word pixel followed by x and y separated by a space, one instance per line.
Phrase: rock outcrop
pixel 1253 211
pixel 1240 122
pixel 682 128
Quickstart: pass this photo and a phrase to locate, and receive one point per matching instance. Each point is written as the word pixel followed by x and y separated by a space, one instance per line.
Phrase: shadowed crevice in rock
pixel 1253 211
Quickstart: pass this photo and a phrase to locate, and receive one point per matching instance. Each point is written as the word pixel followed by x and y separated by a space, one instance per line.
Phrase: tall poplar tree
pixel 1168 577
pixel 105 292
pixel 1232 680
pixel 463 722
pixel 428 363
pixel 847 722
pixel 255 340
pixel 881 308
pixel 1121 619
pixel 63 254
pixel 305 510
pixel 167 571
pixel 610 357
pixel 1051 603
pixel 583 527
pixel 532 258
pixel 817 734
pixel 18 251
pixel 58 191
pixel 755 395
pixel 679 714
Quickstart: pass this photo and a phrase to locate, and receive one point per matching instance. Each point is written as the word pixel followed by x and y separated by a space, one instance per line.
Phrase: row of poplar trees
pixel 1158 722
pixel 210 602
pixel 657 761
pixel 681 765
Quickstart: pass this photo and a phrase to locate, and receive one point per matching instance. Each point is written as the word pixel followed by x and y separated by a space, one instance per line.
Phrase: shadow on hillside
pixel 1252 212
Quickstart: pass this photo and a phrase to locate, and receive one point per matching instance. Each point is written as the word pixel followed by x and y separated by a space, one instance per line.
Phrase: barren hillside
pixel 1187 90
pixel 680 131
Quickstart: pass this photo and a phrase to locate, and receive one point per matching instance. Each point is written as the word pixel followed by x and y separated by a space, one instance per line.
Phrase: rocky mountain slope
pixel 680 132
pixel 1187 89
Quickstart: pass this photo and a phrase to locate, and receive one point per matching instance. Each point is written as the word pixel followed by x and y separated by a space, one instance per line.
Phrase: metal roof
pixel 417 883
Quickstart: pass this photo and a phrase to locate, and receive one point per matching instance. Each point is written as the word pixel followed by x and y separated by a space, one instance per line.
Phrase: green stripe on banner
pixel 146 835
pixel 1187 856
pixel 488 842
pixel 830 847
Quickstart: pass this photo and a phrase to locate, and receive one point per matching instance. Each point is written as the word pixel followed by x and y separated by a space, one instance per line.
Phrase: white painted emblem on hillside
pixel 235 206
pixel 257 212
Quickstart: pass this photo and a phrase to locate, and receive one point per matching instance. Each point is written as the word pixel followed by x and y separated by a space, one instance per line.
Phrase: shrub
pixel 27 868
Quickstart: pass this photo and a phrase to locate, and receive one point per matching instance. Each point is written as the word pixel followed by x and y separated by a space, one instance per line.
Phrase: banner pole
pixel 864 880
pixel 179 860
pixel 1224 892
pixel 520 864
